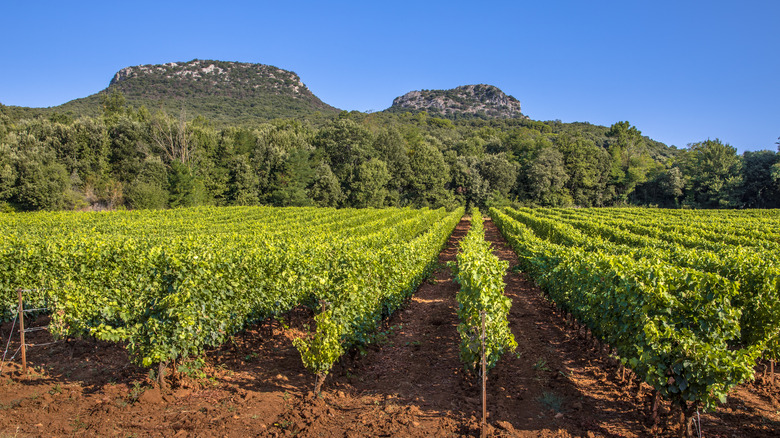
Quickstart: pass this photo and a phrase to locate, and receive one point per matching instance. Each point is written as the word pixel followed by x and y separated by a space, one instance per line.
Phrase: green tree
pixel 114 105
pixel 547 178
pixel 588 167
pixel 185 188
pixel 499 172
pixel 472 146
pixel 325 189
pixel 712 172
pixel 243 183
pixel 41 182
pixel 5 123
pixel 664 187
pixel 429 175
pixel 369 188
pixel 759 188
pixel 470 188
pixel 7 172
pixel 775 171
pixel 149 189
pixel 294 179
pixel 346 145
pixel 630 161
pixel 128 146
pixel 391 148
pixel 213 160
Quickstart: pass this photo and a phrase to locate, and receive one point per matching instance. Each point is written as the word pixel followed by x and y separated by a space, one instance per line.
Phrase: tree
pixel 114 105
pixel 325 189
pixel 213 161
pixel 468 184
pixel 472 146
pixel 429 175
pixel 186 189
pixel 149 189
pixel 672 184
pixel 172 137
pixel 128 148
pixel 243 182
pixel 499 173
pixel 294 179
pixel 5 123
pixel 664 187
pixel 547 177
pixel 630 161
pixel 712 172
pixel 369 188
pixel 41 181
pixel 759 188
pixel 7 172
pixel 775 171
pixel 391 148
pixel 346 145
pixel 588 167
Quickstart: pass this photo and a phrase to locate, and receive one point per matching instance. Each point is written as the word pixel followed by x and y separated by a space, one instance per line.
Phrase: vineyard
pixel 172 283
pixel 481 276
pixel 686 302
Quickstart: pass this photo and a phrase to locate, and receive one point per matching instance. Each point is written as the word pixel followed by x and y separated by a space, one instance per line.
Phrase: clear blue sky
pixel 680 71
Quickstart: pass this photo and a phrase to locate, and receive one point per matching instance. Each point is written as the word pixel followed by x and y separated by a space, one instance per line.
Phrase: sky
pixel 680 71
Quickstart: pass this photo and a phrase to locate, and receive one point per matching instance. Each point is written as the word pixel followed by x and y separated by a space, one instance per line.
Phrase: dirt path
pixel 410 383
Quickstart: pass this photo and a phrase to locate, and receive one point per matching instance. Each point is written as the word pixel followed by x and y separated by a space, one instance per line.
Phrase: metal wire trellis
pixel 23 345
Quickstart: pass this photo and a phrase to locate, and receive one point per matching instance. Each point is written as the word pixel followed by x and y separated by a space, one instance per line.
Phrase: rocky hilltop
pixel 220 90
pixel 484 101
pixel 216 78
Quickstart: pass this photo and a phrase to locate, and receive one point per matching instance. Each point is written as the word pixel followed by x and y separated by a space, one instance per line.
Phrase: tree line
pixel 140 159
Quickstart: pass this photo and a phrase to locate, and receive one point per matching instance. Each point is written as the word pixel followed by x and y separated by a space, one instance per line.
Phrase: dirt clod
pixel 151 396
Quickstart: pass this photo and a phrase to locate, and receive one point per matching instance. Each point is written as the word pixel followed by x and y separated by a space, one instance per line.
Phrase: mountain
pixel 468 101
pixel 218 90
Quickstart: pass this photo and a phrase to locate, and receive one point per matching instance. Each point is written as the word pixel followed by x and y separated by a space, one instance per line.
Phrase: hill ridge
pixel 222 90
pixel 477 100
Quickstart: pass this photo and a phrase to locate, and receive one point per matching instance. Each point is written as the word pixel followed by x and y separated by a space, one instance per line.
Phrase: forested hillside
pixel 227 133
pixel 137 158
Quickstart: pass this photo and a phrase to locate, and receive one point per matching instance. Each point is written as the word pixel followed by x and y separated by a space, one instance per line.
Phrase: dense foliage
pixel 688 299
pixel 170 283
pixel 136 158
pixel 374 283
pixel 481 277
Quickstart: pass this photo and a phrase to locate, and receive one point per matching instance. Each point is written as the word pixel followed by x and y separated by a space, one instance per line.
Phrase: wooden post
pixel 484 381
pixel 654 411
pixel 21 332
pixel 772 371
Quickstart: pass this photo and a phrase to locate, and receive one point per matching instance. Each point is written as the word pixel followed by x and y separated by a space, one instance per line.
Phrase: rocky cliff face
pixel 481 100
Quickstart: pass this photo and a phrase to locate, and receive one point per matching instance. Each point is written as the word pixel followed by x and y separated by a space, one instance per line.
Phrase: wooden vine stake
pixel 21 333
pixel 654 411
pixel 772 371
pixel 484 380
pixel 162 367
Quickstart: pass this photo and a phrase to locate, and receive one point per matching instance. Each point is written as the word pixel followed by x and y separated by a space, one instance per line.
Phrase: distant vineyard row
pixel 688 299
pixel 170 283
